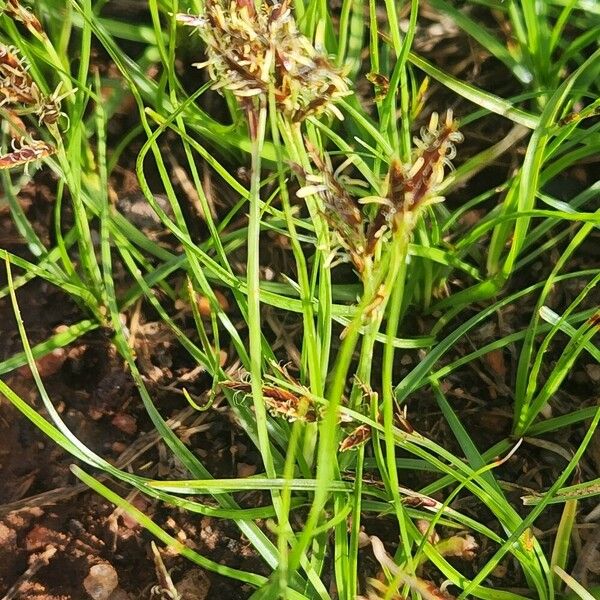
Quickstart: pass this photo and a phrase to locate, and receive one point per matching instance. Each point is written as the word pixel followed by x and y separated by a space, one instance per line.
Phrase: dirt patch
pixel 56 538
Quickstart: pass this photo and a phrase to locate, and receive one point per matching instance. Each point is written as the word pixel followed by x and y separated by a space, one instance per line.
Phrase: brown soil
pixel 54 532
pixel 52 529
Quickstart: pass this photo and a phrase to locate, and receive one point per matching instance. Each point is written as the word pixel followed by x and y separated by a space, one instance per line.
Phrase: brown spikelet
pixel 381 221
pixel 338 200
pixel 25 152
pixel 16 85
pixel 49 110
pixel 253 50
pixel 340 209
pixel 19 13
pixel 281 402
pixel 316 105
pixel 410 188
pixel 19 92
pixel 435 150
pixel 356 438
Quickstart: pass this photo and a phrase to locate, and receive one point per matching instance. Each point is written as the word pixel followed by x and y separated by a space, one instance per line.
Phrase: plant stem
pixel 396 280
pixel 254 320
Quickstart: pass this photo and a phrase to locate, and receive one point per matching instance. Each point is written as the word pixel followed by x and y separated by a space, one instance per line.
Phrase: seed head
pixel 340 209
pixel 281 402
pixel 359 436
pixel 16 85
pixel 251 51
pixel 24 152
pixel 21 94
pixel 411 188
pixel 19 13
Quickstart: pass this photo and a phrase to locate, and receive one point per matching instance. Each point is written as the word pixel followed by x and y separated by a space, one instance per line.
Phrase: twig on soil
pixel 40 561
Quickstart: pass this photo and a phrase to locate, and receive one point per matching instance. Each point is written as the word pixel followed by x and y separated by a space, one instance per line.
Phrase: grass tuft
pixel 309 223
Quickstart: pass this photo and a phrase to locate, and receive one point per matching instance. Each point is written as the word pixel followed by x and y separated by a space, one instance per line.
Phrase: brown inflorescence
pixel 20 95
pixel 20 13
pixel 252 51
pixel 25 152
pixel 409 188
pixel 16 85
pixel 359 436
pixel 340 209
pixel 282 402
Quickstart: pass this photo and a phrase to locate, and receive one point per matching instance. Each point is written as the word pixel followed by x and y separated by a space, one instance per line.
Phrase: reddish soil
pixel 53 531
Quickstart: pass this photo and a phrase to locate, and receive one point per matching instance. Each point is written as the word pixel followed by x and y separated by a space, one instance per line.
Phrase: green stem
pixel 318 341
pixel 310 335
pixel 327 453
pixel 377 291
pixel 84 238
pixel 364 376
pixel 396 280
pixel 309 342
pixel 254 320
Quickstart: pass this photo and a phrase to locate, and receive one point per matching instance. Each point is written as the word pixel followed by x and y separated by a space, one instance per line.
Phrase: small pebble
pixel 101 582
pixel 125 423
pixel 593 372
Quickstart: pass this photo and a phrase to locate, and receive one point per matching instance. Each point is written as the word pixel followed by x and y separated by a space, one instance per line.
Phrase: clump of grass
pixel 335 435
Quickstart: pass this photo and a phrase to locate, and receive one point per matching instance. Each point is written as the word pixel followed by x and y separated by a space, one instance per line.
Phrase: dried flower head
pixel 25 152
pixel 282 402
pixel 21 94
pixel 251 51
pixel 411 188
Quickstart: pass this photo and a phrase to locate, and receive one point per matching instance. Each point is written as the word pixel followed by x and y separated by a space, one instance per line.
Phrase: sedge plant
pixel 352 191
